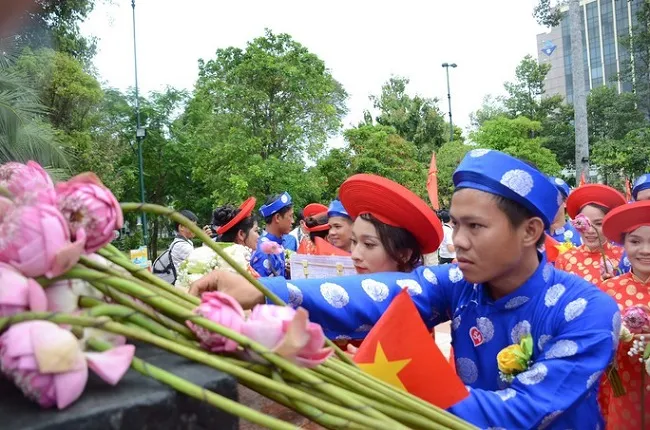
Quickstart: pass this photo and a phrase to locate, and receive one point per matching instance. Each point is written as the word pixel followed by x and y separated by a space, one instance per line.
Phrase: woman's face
pixel 591 237
pixel 250 240
pixel 368 253
pixel 637 245
pixel 340 232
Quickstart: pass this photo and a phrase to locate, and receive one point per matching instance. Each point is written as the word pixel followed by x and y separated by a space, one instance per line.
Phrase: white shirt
pixel 181 250
pixel 446 240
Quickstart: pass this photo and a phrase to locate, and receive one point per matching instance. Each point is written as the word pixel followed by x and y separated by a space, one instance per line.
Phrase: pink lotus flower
pixel 581 223
pixel 90 209
pixel 269 247
pixel 48 365
pixel 35 239
pixel 28 183
pixel 224 310
pixel 636 319
pixel 19 294
pixel 288 333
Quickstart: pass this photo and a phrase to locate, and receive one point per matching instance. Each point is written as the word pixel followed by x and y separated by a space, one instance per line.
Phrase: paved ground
pixel 255 401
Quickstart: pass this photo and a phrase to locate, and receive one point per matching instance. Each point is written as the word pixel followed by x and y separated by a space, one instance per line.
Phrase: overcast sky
pixel 362 42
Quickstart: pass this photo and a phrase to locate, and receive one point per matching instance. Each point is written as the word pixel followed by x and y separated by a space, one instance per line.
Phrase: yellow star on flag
pixel 385 370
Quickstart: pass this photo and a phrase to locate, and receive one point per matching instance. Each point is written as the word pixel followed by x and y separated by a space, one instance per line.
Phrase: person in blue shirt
pixel 561 229
pixel 501 290
pixel 278 215
pixel 640 192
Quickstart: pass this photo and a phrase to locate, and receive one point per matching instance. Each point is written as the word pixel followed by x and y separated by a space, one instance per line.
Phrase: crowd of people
pixel 495 277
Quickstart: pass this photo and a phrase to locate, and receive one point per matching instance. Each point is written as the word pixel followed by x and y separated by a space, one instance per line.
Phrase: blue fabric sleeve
pixel 289 242
pixel 624 265
pixel 350 306
pixel 567 369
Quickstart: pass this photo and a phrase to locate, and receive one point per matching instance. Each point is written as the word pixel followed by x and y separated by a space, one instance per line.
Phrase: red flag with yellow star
pixel 399 350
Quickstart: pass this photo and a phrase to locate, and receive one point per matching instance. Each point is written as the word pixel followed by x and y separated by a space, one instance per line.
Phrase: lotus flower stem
pixel 409 401
pixel 114 251
pixel 145 275
pixel 200 393
pixel 177 217
pixel 162 292
pixel 126 300
pixel 6 193
pixel 97 308
pixel 310 411
pixel 218 363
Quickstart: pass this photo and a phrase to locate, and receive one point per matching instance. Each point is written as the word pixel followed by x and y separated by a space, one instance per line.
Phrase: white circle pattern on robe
pixel 267 264
pixel 455 275
pixel 520 330
pixel 430 276
pixel 506 394
pixel 467 370
pixel 475 153
pixel 616 329
pixel 342 337
pixel 574 309
pixel 547 271
pixel 568 234
pixel 295 295
pixel 377 291
pixel 515 302
pixel 364 328
pixel 455 323
pixel 543 339
pixel 534 375
pixel 334 294
pixel 519 181
pixel 553 294
pixel 593 378
pixel 562 348
pixel 414 288
pixel 486 328
pixel 548 419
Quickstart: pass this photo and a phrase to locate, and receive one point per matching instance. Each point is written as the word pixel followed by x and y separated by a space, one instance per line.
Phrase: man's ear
pixel 533 229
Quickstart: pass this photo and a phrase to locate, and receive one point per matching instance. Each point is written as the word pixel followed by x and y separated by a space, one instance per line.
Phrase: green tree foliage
pixel 638 44
pixel 515 137
pixel 414 118
pixel 448 158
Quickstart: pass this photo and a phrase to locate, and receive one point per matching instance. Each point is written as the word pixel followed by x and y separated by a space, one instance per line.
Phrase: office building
pixel 604 24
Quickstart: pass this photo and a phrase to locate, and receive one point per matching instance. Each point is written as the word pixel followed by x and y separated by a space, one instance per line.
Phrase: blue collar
pixel 526 292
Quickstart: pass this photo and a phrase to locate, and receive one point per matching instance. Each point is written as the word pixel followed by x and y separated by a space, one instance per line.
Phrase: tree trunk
pixel 579 90
pixel 154 238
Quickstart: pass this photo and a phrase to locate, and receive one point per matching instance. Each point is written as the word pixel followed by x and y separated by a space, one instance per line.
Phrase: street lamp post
pixel 451 123
pixel 139 132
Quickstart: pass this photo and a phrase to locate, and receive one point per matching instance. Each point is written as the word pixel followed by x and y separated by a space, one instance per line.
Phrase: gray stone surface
pixel 136 403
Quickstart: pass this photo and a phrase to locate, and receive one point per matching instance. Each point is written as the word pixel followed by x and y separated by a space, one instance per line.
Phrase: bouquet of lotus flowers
pixel 636 324
pixel 70 302
pixel 203 260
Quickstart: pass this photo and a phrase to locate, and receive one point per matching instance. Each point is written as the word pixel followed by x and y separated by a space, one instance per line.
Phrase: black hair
pixel 187 214
pixel 281 212
pixel 516 214
pixel 224 214
pixel 444 216
pixel 396 241
pixel 315 221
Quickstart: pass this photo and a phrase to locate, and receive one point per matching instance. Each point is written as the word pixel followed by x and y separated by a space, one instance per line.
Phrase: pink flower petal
pixel 69 386
pixel 111 365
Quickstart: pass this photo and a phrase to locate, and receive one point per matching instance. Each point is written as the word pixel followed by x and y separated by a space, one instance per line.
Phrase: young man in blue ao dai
pixel 500 291
pixel 278 215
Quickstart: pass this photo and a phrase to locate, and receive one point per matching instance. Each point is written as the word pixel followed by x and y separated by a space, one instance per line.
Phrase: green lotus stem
pixel 126 300
pixel 113 250
pixel 109 270
pixel 145 275
pixel 177 217
pixel 200 393
pixel 405 416
pixel 4 192
pixel 355 386
pixel 97 308
pixel 314 414
pixel 408 400
pixel 310 411
pixel 216 362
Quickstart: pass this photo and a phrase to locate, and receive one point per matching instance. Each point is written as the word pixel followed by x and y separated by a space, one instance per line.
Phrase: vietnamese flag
pixel 582 180
pixel 551 248
pixel 432 183
pixel 628 190
pixel 400 351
